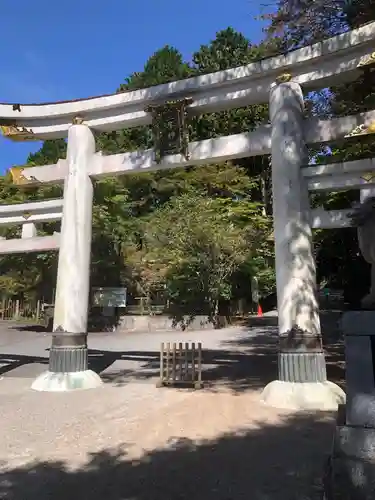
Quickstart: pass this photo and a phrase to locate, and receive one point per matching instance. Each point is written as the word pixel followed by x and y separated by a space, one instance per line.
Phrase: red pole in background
pixel 255 295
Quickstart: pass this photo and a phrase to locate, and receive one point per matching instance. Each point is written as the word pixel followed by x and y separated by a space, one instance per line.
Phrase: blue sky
pixel 64 50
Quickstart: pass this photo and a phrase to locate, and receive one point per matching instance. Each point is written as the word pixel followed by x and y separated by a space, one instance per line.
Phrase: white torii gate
pixel 28 215
pixel 302 374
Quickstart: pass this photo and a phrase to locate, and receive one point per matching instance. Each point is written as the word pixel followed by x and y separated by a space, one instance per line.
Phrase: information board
pixel 109 297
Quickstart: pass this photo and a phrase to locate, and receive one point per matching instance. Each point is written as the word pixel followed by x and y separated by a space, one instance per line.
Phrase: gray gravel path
pixel 129 440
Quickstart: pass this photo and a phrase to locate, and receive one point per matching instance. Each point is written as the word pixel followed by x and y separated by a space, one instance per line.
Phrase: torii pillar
pixel 68 360
pixel 302 382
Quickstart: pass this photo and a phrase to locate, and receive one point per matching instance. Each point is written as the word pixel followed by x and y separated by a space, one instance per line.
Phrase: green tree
pixel 200 246
pixel 31 275
pixel 302 22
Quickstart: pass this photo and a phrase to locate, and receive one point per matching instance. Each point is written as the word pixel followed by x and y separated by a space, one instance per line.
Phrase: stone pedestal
pixel 359 331
pixel 302 373
pixel 68 363
pixel 301 357
pixel 68 353
pixel 351 469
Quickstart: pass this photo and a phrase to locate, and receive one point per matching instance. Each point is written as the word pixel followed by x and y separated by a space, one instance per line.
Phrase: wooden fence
pixel 20 310
pixel 181 364
pixel 142 309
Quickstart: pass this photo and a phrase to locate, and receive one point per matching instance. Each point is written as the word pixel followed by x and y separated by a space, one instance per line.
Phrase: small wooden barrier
pixel 181 364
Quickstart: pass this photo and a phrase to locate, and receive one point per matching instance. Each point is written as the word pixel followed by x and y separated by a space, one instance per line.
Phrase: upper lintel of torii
pixel 337 59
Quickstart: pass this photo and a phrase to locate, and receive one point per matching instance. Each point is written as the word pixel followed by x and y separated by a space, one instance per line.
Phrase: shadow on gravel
pixel 9 362
pixel 269 462
pixel 249 362
pixel 29 328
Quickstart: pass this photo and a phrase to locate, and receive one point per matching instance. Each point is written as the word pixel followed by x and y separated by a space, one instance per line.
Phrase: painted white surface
pixel 65 382
pixel 72 288
pixel 336 128
pixel 295 265
pixel 201 152
pixel 339 183
pixel 318 396
pixel 44 206
pixel 367 192
pixel 347 167
pixel 26 245
pixel 28 230
pixel 330 219
pixel 19 219
pixel 316 66
pixel 218 150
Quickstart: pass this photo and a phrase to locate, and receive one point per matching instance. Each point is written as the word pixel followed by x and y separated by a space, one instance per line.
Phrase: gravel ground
pixel 129 440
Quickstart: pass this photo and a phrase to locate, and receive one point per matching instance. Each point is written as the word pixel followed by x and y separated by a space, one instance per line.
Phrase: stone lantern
pixel 363 218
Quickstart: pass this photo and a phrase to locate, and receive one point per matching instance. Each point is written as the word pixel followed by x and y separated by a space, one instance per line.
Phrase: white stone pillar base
pixel 64 382
pixel 323 396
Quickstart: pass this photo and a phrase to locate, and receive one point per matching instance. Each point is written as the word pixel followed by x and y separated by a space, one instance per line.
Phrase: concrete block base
pixel 350 474
pixel 324 396
pixel 64 382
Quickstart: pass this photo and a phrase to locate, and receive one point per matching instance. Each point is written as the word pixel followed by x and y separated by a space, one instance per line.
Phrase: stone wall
pixel 134 323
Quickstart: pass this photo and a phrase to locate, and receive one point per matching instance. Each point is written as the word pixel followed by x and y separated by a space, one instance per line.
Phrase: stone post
pixel 68 362
pixel 28 230
pixel 302 380
pixel 350 471
pixel 366 193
